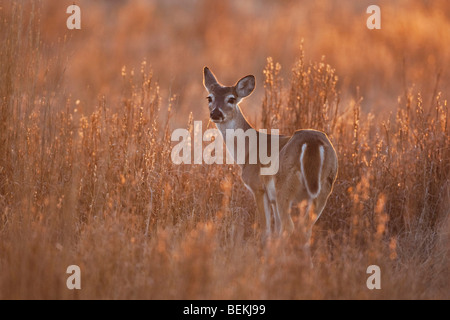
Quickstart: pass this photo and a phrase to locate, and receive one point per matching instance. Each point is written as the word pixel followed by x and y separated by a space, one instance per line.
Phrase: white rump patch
pixel 302 175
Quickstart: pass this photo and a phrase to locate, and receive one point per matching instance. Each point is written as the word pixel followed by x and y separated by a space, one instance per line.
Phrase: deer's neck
pixel 238 122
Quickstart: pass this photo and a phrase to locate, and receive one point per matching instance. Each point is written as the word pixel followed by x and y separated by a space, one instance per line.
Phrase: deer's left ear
pixel 245 86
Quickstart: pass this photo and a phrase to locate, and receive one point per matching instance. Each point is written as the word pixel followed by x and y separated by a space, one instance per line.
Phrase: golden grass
pixel 86 176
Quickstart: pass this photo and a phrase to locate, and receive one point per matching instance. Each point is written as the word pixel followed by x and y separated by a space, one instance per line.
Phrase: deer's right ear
pixel 208 78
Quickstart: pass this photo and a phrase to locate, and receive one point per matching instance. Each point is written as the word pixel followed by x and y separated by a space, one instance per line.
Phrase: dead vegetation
pixel 89 181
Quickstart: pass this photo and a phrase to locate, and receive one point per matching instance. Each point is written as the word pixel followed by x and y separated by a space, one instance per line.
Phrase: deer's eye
pixel 209 99
pixel 231 100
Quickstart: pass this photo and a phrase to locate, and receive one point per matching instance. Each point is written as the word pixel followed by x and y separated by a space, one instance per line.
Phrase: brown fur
pixel 289 189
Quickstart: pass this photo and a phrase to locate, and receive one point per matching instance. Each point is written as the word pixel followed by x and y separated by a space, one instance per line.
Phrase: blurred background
pixel 234 38
pixel 86 175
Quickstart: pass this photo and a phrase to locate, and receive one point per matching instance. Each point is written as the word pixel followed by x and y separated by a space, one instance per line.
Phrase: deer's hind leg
pixel 284 196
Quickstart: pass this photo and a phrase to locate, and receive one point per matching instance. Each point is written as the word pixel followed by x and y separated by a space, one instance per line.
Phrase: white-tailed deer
pixel 307 160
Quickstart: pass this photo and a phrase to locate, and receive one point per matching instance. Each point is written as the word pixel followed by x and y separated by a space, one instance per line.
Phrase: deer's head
pixel 223 100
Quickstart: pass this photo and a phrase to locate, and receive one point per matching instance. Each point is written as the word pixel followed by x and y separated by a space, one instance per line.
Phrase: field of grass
pixel 86 176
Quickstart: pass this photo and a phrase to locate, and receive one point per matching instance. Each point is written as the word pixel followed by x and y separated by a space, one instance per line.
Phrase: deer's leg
pixel 272 200
pixel 314 210
pixel 261 211
pixel 283 209
pixel 277 217
pixel 310 220
pixel 268 213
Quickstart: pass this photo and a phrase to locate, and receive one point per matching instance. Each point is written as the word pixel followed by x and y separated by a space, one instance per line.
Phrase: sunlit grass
pixel 86 178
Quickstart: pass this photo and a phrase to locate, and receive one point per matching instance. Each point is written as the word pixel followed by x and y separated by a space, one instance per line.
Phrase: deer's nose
pixel 216 114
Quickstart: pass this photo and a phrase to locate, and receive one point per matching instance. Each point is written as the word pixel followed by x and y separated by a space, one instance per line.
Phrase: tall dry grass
pixel 86 176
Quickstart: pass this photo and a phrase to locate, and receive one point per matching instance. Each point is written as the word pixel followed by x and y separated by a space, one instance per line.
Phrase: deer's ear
pixel 245 86
pixel 208 78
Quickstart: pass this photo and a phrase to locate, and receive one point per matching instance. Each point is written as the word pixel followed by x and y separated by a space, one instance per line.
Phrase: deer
pixel 307 161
